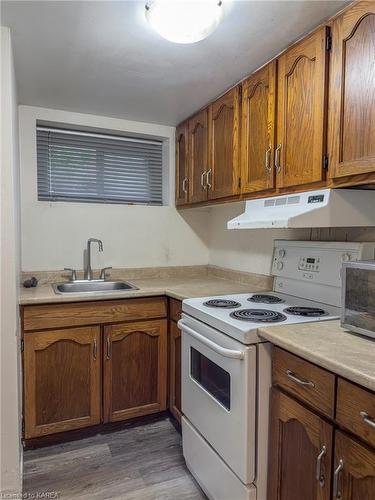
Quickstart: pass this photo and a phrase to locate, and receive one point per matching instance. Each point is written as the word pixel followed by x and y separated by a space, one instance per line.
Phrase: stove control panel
pixel 317 261
pixel 309 264
pixel 312 269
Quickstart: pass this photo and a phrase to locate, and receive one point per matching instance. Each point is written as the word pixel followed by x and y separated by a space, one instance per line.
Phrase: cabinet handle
pixel 202 180
pixel 319 475
pixel 94 349
pixel 366 418
pixel 299 381
pixel 208 179
pixel 277 159
pixel 336 477
pixel 268 160
pixel 184 184
pixel 108 348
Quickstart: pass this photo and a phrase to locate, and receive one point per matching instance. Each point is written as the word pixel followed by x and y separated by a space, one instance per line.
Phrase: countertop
pixel 177 288
pixel 328 345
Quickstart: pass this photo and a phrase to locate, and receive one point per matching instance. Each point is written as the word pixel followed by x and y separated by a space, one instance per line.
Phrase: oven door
pixel 219 393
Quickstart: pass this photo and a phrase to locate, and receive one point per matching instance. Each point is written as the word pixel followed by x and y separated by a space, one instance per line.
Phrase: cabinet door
pixel 354 470
pixel 352 92
pixel 301 112
pixel 182 164
pixel 223 176
pixel 62 373
pixel 135 369
pixel 175 370
pixel 198 157
pixel 258 130
pixel 300 452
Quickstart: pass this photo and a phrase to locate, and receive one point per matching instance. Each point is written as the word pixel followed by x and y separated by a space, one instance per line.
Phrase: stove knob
pixel 281 252
pixel 345 257
pixel 279 265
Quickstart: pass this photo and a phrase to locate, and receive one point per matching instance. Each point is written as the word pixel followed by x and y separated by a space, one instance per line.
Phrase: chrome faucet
pixel 88 270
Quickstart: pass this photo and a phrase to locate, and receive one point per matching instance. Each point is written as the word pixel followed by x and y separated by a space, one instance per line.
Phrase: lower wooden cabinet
pixel 300 452
pixel 62 380
pixel 175 370
pixel 308 452
pixel 354 470
pixel 80 376
pixel 135 369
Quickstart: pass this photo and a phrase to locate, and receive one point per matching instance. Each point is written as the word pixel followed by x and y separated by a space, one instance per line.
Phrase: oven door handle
pixel 227 353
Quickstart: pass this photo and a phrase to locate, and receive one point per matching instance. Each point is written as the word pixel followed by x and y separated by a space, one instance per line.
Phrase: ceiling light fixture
pixel 184 21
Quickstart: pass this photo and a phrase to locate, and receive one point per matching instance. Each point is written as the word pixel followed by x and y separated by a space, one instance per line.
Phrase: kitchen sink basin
pixel 92 286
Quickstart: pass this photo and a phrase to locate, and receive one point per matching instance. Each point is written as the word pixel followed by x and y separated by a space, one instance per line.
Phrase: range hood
pixel 320 208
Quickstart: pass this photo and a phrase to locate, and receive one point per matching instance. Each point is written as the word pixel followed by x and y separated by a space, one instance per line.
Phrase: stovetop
pixel 240 315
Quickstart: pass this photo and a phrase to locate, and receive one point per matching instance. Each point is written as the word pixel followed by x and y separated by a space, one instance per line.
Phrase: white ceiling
pixel 103 57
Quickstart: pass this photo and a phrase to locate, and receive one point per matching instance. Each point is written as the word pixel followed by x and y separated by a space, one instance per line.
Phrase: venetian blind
pixel 91 167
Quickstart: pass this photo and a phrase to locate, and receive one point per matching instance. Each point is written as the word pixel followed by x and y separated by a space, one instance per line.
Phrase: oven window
pixel 211 377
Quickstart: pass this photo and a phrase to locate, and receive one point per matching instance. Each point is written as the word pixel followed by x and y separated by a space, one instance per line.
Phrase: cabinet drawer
pixel 313 385
pixel 92 313
pixel 175 309
pixel 355 410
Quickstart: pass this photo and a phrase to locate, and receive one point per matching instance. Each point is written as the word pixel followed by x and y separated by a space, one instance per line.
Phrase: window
pixel 99 168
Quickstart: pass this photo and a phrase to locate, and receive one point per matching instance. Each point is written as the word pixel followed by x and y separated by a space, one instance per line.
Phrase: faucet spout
pixel 88 270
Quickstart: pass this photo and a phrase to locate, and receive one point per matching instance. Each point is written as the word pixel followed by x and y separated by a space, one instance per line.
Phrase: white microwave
pixel 358 297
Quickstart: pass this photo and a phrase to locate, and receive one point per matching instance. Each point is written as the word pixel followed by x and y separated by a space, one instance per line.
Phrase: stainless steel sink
pixel 92 286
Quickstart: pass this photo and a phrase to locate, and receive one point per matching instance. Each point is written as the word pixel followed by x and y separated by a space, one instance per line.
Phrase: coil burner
pixel 222 303
pixel 258 315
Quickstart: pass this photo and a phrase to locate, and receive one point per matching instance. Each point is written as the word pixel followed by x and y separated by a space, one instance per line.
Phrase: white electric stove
pixel 226 365
pixel 240 315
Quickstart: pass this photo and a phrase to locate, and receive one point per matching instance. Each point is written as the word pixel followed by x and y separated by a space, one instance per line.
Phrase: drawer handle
pixel 366 418
pixel 319 475
pixel 298 380
pixel 94 350
pixel 336 476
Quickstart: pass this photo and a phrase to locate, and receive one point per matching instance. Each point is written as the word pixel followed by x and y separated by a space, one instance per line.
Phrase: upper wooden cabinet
pixel 352 92
pixel 223 176
pixel 135 369
pixel 301 111
pixel 198 157
pixel 182 164
pixel 310 110
pixel 62 371
pixel 258 130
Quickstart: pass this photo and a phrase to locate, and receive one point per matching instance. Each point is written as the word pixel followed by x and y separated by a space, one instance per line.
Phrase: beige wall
pixel 244 250
pixel 54 234
pixel 10 479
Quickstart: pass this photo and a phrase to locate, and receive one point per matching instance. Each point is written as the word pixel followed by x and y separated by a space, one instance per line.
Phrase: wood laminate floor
pixel 144 462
